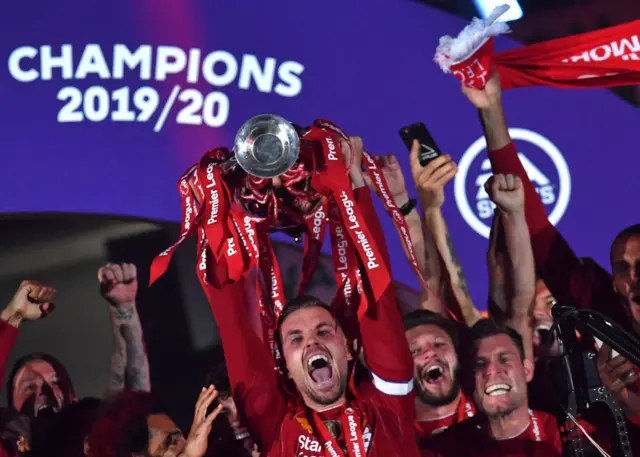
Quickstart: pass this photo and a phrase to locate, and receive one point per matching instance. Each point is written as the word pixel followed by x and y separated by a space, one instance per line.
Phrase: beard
pixel 431 399
pixel 501 412
pixel 328 398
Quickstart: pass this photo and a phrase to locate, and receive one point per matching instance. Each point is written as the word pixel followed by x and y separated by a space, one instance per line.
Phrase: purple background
pixel 368 67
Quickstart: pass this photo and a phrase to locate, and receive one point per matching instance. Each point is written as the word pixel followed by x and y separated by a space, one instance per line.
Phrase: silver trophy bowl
pixel 266 146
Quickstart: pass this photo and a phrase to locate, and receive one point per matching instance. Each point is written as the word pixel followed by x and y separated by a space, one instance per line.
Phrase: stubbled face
pixel 316 354
pixel 625 264
pixel 501 376
pixel 543 321
pixel 37 381
pixel 165 438
pixel 435 364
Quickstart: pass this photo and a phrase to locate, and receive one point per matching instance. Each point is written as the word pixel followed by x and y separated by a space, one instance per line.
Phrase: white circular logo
pixel 554 196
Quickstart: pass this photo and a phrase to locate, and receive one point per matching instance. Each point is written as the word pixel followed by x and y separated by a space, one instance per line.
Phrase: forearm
pixel 117 367
pixel 522 264
pixel 457 280
pixel 385 346
pixel 428 263
pixel 495 127
pixel 126 323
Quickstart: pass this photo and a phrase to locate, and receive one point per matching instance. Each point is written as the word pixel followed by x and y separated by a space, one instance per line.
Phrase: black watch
pixel 408 207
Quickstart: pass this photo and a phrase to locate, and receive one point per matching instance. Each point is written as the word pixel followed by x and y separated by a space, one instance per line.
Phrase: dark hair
pixel 631 231
pixel 298 303
pixel 486 328
pixel 122 429
pixel 73 426
pixel 63 375
pixel 425 317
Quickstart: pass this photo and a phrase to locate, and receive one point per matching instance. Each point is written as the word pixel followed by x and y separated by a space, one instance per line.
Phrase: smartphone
pixel 429 150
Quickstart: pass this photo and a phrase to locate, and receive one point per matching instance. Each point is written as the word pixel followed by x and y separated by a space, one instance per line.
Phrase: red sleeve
pixel 251 370
pixel 556 263
pixel 8 335
pixel 385 345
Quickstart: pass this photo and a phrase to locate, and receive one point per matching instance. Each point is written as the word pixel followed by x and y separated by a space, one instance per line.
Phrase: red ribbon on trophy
pixel 604 58
pixel 229 201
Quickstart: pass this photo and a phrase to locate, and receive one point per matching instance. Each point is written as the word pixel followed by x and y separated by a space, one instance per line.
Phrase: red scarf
pixel 604 58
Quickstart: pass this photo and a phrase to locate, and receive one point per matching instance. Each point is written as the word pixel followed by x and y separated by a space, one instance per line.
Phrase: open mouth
pixel 434 373
pixel 497 389
pixel 319 369
pixel 544 333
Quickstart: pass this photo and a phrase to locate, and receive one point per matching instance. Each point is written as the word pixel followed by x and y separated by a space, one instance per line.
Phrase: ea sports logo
pixel 541 159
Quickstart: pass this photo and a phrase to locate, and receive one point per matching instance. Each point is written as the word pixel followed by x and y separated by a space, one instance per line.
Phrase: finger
pixel 489 185
pixel 439 177
pixel 117 272
pixel 435 169
pixel 502 182
pixel 444 180
pixel 134 271
pixel 47 294
pixel 603 357
pixel 127 272
pixel 622 371
pixel 414 160
pixel 107 276
pixel 509 182
pixel 391 162
pixel 46 309
pixel 42 293
pixel 518 183
pixel 618 361
pixel 616 386
pixel 213 414
pixel 204 401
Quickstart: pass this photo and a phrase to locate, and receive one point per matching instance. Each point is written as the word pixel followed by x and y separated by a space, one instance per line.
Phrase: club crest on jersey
pixel 543 162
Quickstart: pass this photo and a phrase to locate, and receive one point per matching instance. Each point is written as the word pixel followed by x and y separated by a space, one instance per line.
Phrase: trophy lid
pixel 266 146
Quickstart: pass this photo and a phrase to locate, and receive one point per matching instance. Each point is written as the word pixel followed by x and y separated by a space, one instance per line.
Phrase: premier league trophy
pixel 281 177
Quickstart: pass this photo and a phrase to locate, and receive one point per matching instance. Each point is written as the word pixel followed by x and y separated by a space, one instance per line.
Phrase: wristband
pixel 408 207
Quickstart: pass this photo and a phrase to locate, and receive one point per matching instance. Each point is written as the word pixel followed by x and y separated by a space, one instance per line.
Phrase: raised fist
pixel 507 192
pixel 31 301
pixel 118 283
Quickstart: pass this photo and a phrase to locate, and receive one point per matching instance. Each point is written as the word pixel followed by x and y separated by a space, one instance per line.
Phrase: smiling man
pixel 505 426
pixel 440 403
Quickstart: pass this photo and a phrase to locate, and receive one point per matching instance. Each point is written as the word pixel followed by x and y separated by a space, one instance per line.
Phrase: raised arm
pixel 507 192
pixel 430 181
pixel 385 346
pixel 422 241
pixel 555 261
pixel 32 301
pixel 250 365
pixel 129 364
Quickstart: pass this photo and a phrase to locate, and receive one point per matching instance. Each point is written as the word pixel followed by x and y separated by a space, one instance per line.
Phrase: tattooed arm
pixel 129 364
pixel 430 181
pixel 456 289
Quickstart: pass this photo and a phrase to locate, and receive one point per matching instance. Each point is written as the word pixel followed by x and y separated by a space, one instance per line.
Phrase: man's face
pixel 316 354
pixel 37 381
pixel 165 438
pixel 625 264
pixel 435 364
pixel 501 376
pixel 543 321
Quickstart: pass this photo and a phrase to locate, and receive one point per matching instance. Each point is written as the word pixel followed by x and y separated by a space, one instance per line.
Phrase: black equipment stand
pixel 578 382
